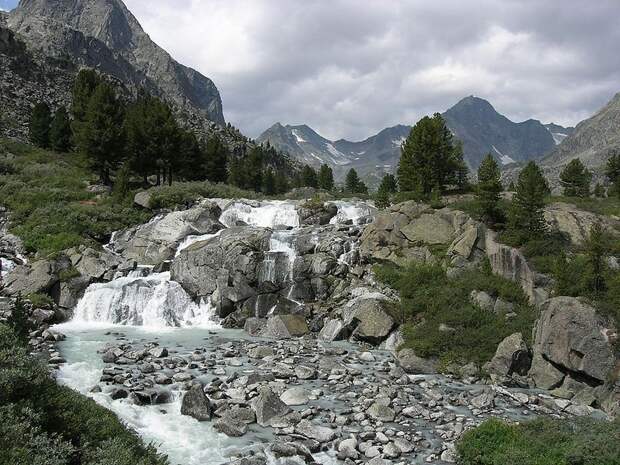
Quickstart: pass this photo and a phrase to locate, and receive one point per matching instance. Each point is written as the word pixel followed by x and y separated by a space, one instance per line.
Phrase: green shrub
pixel 431 304
pixel 46 424
pixel 185 193
pixel 542 442
pixel 69 273
pixel 40 300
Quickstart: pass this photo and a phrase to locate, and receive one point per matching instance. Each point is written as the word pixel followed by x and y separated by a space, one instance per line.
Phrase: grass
pixel 430 299
pixel 185 193
pixel 542 442
pixel 50 207
pixel 47 424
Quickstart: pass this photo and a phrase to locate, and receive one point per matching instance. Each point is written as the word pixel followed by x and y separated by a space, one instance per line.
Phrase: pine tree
pixel 282 184
pixel 362 188
pixel 526 219
pixel 596 247
pixel 236 173
pixel 309 177
pixel 326 178
pixel 60 131
pixel 121 183
pixel 216 160
pixel 269 182
pixel 388 183
pixel 430 157
pixel 18 319
pixel 40 121
pixel 100 136
pixel 352 181
pixel 84 86
pixel 575 179
pixel 599 191
pixel 254 165
pixel 489 188
pixel 612 171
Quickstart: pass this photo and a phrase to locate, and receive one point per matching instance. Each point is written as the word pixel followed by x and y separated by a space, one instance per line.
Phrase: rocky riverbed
pixel 217 396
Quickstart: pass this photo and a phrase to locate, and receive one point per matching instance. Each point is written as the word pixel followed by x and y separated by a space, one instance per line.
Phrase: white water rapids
pixel 147 305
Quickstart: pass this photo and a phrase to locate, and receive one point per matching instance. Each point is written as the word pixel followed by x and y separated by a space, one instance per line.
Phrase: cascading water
pixel 6 266
pixel 153 301
pixel 280 258
pixel 266 215
pixel 189 240
pixel 351 211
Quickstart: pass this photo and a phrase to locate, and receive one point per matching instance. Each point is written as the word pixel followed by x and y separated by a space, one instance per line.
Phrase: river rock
pixel 413 364
pixel 295 396
pixel 196 404
pixel 380 412
pixel 368 315
pixel 333 330
pixel 39 277
pixel 285 327
pixel 230 426
pixel 268 407
pixel 311 430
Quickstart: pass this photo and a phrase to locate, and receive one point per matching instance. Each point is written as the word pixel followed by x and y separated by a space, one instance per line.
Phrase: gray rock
pixel 295 396
pixel 510 357
pixel 196 404
pixel 158 352
pixel 380 412
pixel 230 426
pixel 285 327
pixel 268 407
pixel 413 364
pixel 143 199
pixel 333 330
pixel 368 315
pixel 311 430
pixel 482 300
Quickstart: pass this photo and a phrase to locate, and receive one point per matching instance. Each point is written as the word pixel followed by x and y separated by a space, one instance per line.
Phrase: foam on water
pixel 189 240
pixel 266 215
pixel 6 266
pixel 153 301
pixel 351 211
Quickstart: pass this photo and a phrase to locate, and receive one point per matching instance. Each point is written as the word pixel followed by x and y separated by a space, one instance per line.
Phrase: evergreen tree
pixel 282 184
pixel 612 171
pixel 430 157
pixel 352 181
pixel 18 319
pixel 309 177
pixel 40 121
pixel 269 182
pixel 100 136
pixel 60 131
pixel 121 183
pixel 489 188
pixel 526 220
pixel 596 247
pixel 216 160
pixel 599 191
pixel 386 188
pixel 575 179
pixel 326 178
pixel 139 146
pixel 84 86
pixel 254 166
pixel 362 188
pixel 236 173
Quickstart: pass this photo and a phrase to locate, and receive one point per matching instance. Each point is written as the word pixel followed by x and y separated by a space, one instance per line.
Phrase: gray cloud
pixel 349 68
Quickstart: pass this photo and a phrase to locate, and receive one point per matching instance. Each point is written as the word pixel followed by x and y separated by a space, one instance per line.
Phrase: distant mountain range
pixel 472 120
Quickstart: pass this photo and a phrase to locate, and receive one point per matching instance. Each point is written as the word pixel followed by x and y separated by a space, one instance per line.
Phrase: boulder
pixel 333 330
pixel 268 407
pixel 285 327
pixel 413 364
pixel 380 412
pixel 39 277
pixel 295 396
pixel 71 291
pixel 510 357
pixel 311 430
pixel 368 315
pixel 196 404
pixel 544 374
pixel 482 300
pixel 571 334
pixel 143 199
pixel 230 426
pixel 575 223
pixel 429 229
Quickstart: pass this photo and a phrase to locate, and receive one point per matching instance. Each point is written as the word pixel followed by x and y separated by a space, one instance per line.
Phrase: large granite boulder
pixel 576 339
pixel 156 241
pixel 511 356
pixel 575 223
pixel 196 404
pixel 413 364
pixel 368 318
pixel 285 327
pixel 230 262
pixel 39 277
pixel 268 407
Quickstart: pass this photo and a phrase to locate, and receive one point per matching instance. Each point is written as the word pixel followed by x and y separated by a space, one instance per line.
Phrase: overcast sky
pixel 349 68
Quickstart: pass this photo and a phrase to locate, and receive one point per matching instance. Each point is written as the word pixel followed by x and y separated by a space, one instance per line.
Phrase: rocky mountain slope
pixel 473 120
pixel 593 141
pixel 105 35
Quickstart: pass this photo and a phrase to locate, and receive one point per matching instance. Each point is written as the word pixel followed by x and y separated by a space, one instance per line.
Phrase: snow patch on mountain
pixel 505 159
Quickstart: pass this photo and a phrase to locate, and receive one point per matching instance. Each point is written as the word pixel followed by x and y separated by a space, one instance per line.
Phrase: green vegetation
pixel 40 300
pixel 326 178
pixel 185 193
pixel 39 128
pixel 441 321
pixel 47 424
pixel 353 184
pixel 488 190
pixel 612 170
pixel 387 188
pixel 606 206
pixel 60 131
pixel 542 442
pixel 51 209
pixel 575 179
pixel 430 158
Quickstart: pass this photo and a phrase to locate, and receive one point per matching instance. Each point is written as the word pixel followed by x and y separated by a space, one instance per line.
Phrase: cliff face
pixel 103 34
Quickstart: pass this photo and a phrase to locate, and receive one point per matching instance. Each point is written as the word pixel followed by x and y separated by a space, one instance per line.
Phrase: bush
pixel 46 424
pixel 430 301
pixel 542 442
pixel 185 193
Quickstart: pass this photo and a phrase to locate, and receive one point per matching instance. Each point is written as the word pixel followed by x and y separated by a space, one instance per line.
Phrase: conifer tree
pixel 60 131
pixel 575 179
pixel 430 157
pixel 489 188
pixel 100 136
pixel 236 173
pixel 352 182
pixel 612 171
pixel 269 182
pixel 282 184
pixel 253 164
pixel 84 86
pixel 388 184
pixel 216 160
pixel 326 178
pixel 596 247
pixel 308 177
pixel 526 219
pixel 599 191
pixel 40 121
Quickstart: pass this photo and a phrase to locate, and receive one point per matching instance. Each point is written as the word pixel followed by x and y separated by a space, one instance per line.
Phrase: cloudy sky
pixel 349 68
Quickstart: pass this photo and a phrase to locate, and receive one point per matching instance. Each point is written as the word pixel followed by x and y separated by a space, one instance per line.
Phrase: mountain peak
pixel 120 48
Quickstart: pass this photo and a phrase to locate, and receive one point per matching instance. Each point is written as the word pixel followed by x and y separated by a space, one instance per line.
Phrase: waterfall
pixel 6 266
pixel 280 258
pixel 351 211
pixel 266 214
pixel 189 240
pixel 154 301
